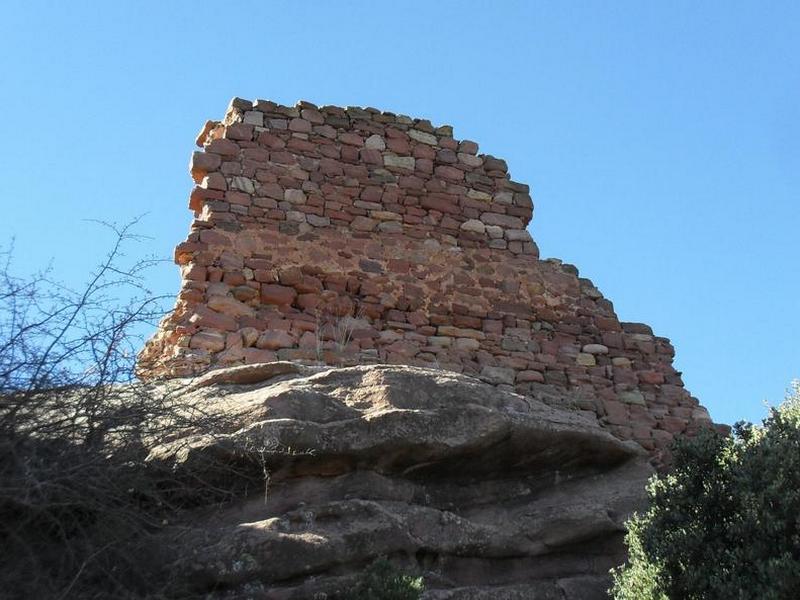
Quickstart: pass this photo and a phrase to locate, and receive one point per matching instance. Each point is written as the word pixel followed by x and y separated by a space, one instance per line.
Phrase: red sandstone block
pixel 640 328
pixel 300 125
pixel 203 162
pixel 298 145
pixel 650 377
pixel 371 193
pixel 200 195
pixel 329 151
pixel 666 348
pixel 282 157
pixel 395 265
pixel 468 147
pixel 352 139
pixel 277 294
pixel 214 238
pixel 214 181
pixel 254 355
pixel 275 340
pixel 309 301
pixel 262 275
pixel 353 285
pixel 214 274
pixel 526 214
pixel 424 151
pixel 395 315
pixel 350 155
pixel 256 155
pixel 530 377
pixel 239 198
pixel 194 272
pixel 308 284
pixel 325 131
pixel 673 425
pixel 612 339
pixel 203 135
pixel 223 147
pixel 411 182
pixel 398 146
pixel 505 221
pixel 233 278
pixel 208 340
pixel 616 412
pixel 264 176
pixel 205 317
pixel 363 224
pixel 490 163
pixel 371 157
pixel 265 203
pixel 239 131
pixel 403 349
pixel 492 326
pixel 270 140
pixel 440 203
pixel 330 167
pixel 312 115
pixel 467 321
pixel 424 165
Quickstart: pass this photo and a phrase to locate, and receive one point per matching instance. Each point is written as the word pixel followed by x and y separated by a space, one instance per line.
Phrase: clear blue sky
pixel 661 139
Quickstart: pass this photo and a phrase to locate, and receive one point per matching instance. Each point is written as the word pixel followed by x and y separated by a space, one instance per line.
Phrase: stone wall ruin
pixel 350 236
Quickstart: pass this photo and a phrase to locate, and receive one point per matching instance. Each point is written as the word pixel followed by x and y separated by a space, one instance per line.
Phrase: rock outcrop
pixel 354 236
pixel 484 492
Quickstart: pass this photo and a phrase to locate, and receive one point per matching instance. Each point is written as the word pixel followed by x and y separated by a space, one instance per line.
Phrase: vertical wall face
pixel 349 236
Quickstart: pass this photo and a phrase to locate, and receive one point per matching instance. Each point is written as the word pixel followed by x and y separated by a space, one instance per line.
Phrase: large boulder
pixel 483 492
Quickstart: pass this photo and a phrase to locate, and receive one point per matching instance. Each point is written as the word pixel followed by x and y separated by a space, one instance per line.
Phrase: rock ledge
pixel 486 493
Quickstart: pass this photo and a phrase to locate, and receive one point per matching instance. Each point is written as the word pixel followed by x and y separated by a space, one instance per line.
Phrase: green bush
pixel 723 524
pixel 383 581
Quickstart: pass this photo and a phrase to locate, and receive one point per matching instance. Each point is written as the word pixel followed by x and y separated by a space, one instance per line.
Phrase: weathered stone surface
pixel 633 397
pixel 473 225
pixel 230 306
pixel 399 162
pixel 375 142
pixel 208 340
pixel 249 374
pixel 294 196
pixel 275 340
pixel 484 493
pixel 595 349
pixel 498 375
pixel 277 294
pixel 421 136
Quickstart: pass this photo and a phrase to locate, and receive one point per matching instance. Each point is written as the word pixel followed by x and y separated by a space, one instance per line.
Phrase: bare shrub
pixel 333 334
pixel 80 503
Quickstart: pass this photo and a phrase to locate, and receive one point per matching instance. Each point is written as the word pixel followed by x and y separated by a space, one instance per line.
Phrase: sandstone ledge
pixel 486 493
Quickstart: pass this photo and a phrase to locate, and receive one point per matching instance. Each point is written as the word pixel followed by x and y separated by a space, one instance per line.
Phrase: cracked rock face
pixel 485 493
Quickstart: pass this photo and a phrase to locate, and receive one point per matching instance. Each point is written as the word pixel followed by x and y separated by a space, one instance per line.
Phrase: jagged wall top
pixel 349 236
pixel 305 167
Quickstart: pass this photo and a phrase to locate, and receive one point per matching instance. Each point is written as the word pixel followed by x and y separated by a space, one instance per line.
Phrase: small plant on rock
pixel 383 581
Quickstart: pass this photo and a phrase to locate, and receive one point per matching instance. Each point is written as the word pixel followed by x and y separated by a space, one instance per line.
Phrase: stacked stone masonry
pixel 351 235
